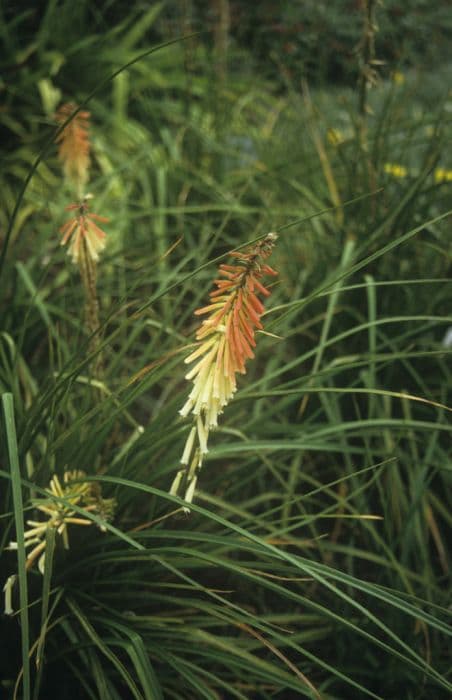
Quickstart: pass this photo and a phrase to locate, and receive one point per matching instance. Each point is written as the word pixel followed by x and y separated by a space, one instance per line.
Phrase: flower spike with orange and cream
pixel 74 145
pixel 227 342
pixel 82 232
pixel 86 239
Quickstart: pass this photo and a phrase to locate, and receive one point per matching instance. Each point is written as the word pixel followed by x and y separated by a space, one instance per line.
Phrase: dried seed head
pixel 58 509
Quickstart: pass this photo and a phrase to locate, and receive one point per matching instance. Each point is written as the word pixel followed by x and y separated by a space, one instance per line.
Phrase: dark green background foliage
pixel 315 560
pixel 319 38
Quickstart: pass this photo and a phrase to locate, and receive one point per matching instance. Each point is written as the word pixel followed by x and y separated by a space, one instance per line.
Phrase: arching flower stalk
pixel 74 145
pixel 227 339
pixel 85 241
pixel 82 233
pixel 86 495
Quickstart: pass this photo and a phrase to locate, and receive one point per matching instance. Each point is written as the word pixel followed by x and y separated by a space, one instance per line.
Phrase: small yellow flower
pixel 395 170
pixel 335 137
pixel 442 175
pixel 82 230
pixel 397 77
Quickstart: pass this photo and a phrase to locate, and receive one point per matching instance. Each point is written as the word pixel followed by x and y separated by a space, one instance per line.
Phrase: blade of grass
pixel 103 647
pixel 11 441
pixel 48 567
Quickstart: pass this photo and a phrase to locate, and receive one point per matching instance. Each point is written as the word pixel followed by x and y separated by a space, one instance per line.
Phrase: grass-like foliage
pixel 313 561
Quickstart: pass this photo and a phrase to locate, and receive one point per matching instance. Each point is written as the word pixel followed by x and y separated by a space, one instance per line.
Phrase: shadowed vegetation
pixel 314 562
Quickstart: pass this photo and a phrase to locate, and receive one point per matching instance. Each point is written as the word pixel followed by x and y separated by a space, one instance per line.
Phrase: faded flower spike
pixel 73 145
pixel 227 342
pixel 82 232
pixel 86 495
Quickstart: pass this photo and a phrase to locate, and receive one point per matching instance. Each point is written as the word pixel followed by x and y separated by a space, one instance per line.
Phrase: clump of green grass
pixel 315 554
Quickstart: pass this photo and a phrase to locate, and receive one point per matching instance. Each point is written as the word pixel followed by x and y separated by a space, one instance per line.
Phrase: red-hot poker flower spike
pixel 227 337
pixel 83 228
pixel 73 145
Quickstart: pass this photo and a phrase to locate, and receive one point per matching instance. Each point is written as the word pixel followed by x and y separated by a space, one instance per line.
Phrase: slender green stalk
pixel 11 441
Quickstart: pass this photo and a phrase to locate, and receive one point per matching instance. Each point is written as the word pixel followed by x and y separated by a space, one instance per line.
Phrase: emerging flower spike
pixel 84 494
pixel 73 145
pixel 82 230
pixel 227 342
